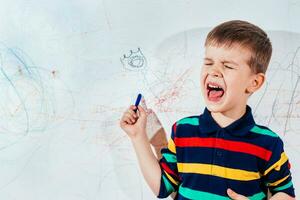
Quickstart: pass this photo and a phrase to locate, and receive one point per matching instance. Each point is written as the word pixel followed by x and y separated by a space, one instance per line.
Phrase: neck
pixel 227 117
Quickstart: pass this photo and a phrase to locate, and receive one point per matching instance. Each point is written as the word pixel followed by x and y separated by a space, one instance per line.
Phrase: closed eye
pixel 226 66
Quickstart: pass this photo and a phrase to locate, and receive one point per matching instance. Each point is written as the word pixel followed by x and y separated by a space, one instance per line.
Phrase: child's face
pixel 226 78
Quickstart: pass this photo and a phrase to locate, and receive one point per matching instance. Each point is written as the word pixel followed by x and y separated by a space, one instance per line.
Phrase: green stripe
pixel 258 196
pixel 168 185
pixel 262 131
pixel 289 184
pixel 190 121
pixel 170 157
pixel 194 194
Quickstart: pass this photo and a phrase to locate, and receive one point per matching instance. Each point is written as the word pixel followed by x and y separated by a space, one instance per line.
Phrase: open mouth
pixel 214 91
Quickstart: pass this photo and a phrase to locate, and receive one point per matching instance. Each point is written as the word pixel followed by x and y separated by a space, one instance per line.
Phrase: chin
pixel 215 108
pixel 219 107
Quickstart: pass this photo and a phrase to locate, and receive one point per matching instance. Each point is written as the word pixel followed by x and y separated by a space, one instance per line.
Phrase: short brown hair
pixel 247 35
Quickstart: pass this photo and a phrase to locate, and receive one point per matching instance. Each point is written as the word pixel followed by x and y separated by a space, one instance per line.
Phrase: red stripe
pixel 167 169
pixel 174 128
pixel 242 147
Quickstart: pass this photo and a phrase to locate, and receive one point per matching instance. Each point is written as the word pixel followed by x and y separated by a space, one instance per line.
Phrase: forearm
pixel 281 196
pixel 148 163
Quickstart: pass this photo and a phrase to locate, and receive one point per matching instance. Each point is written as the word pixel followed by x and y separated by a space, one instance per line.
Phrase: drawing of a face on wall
pixel 135 61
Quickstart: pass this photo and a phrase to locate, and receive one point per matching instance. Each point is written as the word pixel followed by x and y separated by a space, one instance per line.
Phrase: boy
pixel 221 151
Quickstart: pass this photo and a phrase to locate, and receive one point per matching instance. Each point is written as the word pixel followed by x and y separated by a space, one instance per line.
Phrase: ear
pixel 256 81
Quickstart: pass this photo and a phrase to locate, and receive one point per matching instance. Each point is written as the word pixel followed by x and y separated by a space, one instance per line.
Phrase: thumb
pixel 142 112
pixel 143 103
pixel 235 196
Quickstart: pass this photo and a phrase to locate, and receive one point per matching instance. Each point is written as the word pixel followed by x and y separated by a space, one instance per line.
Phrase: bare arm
pixel 148 163
pixel 159 141
pixel 134 124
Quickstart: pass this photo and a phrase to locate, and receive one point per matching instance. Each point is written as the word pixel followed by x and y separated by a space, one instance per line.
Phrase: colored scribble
pixel 280 96
pixel 27 105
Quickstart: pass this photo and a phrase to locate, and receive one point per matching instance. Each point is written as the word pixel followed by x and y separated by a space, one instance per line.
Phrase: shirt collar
pixel 240 127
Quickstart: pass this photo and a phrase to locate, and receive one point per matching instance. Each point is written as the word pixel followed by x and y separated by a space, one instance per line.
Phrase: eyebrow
pixel 208 59
pixel 230 61
pixel 225 61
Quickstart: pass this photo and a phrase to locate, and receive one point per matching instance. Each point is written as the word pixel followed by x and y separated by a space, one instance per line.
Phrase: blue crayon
pixel 137 102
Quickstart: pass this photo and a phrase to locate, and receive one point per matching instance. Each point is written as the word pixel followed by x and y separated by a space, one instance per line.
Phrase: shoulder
pixel 263 130
pixel 190 120
pixel 266 136
pixel 186 125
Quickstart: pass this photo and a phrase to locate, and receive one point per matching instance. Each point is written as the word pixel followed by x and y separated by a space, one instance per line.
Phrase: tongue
pixel 215 94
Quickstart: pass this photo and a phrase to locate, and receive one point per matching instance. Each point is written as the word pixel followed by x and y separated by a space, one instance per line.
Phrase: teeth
pixel 213 86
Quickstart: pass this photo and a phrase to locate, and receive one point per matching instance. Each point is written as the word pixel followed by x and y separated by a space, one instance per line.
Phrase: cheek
pixel 202 81
pixel 234 83
pixel 237 86
pixel 203 74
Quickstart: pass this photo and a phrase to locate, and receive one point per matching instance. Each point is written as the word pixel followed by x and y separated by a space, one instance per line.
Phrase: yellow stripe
pixel 171 146
pixel 279 181
pixel 171 179
pixel 224 172
pixel 278 164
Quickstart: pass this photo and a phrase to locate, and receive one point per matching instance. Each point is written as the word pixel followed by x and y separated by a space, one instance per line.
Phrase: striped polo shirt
pixel 203 159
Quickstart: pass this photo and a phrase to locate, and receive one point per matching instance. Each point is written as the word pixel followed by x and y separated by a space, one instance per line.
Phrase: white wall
pixel 64 88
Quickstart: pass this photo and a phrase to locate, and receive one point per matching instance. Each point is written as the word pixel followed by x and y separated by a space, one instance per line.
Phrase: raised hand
pixel 134 124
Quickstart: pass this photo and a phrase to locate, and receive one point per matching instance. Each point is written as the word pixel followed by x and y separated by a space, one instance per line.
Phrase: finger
pixel 132 113
pixel 123 118
pixel 124 122
pixel 129 121
pixel 132 107
pixel 142 112
pixel 130 117
pixel 143 103
pixel 235 196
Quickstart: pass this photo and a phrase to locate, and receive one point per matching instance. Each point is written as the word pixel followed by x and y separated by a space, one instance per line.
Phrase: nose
pixel 215 71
